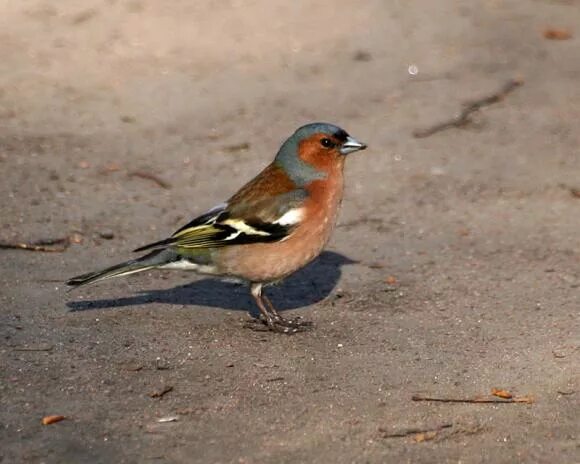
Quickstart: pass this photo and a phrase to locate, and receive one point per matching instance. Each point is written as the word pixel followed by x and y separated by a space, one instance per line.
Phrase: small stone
pixel 107 234
pixel 362 55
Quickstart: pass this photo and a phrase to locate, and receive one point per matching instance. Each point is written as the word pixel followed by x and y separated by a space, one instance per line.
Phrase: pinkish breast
pixel 268 262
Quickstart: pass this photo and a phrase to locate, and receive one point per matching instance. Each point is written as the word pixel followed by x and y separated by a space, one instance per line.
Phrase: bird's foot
pixel 279 325
pixel 288 326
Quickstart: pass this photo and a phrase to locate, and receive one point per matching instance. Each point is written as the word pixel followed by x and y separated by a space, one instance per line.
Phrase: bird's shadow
pixel 306 287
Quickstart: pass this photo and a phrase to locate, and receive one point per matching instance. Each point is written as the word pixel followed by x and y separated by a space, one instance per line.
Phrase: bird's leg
pixel 271 308
pixel 267 317
pixel 296 323
pixel 270 316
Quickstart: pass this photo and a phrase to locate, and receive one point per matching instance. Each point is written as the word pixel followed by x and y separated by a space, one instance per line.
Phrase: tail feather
pixel 150 261
pixel 126 268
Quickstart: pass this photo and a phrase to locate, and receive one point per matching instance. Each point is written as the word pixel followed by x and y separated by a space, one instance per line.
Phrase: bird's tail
pixel 152 260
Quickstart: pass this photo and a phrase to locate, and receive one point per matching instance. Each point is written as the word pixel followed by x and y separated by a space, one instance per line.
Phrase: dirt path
pixel 478 227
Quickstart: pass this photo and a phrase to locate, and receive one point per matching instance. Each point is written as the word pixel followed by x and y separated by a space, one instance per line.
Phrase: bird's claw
pixel 279 325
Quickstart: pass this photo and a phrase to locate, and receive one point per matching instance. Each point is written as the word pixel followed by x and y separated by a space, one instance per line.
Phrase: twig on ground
pixel 237 147
pixel 565 392
pixel 163 420
pixel 47 245
pixel 411 431
pixel 516 399
pixel 152 177
pixel 162 392
pixel 133 367
pixel 463 117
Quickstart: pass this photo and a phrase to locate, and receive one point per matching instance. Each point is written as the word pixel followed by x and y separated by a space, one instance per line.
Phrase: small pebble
pixel 107 234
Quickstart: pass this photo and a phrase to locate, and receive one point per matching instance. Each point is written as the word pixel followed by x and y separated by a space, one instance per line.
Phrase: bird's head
pixel 314 150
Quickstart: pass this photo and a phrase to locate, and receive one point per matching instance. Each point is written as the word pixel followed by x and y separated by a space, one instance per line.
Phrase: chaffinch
pixel 276 224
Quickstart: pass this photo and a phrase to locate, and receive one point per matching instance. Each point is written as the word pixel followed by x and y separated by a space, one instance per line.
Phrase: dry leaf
pixel 528 399
pixel 391 280
pixel 112 167
pixel 75 237
pixel 553 33
pixel 47 420
pixel 424 436
pixel 501 393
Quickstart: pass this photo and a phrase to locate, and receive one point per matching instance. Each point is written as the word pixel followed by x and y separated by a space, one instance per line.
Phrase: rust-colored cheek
pixel 322 159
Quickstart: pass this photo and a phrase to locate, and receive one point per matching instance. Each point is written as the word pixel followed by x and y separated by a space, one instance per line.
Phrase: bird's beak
pixel 351 145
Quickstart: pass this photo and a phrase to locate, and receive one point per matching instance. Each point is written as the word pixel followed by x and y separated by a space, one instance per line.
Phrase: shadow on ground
pixel 306 287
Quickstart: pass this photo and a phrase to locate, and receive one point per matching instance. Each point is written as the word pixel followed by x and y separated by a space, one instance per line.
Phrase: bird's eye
pixel 327 143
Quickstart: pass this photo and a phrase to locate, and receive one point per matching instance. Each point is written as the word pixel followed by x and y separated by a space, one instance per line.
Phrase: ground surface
pixel 477 225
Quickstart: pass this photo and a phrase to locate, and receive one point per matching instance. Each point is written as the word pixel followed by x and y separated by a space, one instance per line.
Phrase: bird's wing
pixel 252 220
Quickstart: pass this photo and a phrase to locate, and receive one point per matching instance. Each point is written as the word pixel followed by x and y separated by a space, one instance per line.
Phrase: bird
pixel 273 226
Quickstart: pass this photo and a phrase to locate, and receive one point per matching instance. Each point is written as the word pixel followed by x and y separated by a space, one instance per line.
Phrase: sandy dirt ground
pixel 455 267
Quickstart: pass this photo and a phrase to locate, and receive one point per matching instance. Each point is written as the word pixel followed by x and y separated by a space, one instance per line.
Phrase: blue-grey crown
pixel 320 128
